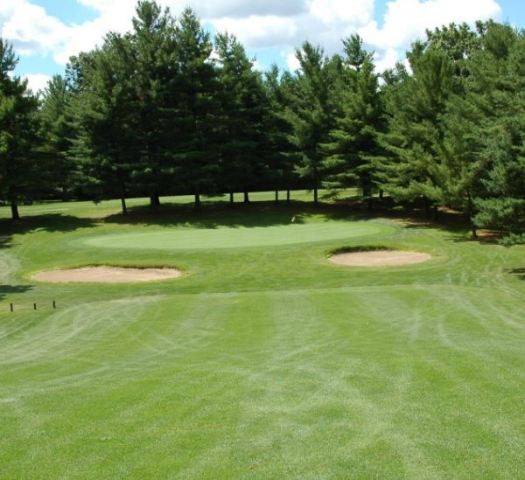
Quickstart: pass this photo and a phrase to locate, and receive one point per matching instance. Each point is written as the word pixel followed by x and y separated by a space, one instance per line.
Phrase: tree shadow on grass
pixel 518 273
pixel 45 223
pixel 455 225
pixel 216 215
pixel 6 290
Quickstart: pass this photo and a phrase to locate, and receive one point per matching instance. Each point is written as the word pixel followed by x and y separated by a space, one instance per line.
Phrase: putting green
pixel 190 239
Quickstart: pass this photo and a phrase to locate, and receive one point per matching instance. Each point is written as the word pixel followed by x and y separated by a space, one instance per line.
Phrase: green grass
pixel 264 361
pixel 240 237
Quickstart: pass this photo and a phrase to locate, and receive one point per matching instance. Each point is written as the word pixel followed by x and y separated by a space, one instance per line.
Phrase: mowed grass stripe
pixel 263 362
pixel 300 376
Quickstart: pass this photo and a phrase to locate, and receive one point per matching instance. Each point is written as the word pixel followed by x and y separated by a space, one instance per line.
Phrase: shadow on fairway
pixel 252 215
pixel 13 289
pixel 518 273
pixel 455 224
pixel 5 241
pixel 45 223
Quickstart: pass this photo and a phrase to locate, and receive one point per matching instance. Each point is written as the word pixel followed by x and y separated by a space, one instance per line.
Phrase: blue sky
pixel 46 32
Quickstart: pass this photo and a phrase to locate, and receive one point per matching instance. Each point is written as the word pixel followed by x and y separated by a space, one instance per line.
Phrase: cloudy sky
pixel 46 33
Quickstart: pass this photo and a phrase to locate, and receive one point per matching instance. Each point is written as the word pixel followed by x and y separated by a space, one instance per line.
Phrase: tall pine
pixel 198 107
pixel 310 112
pixel 414 168
pixel 58 132
pixel 22 172
pixel 353 146
pixel 243 110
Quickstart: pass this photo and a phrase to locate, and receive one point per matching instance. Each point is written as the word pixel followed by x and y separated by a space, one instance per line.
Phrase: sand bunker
pixel 379 258
pixel 108 275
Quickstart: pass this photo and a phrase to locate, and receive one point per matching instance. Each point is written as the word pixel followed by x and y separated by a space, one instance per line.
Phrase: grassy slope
pixel 261 362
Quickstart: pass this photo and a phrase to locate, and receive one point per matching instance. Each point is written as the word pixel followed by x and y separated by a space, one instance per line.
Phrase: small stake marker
pixel 54 305
pixel 12 307
pixel 34 306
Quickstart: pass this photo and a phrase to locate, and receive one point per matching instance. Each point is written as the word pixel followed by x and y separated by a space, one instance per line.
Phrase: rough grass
pixel 265 361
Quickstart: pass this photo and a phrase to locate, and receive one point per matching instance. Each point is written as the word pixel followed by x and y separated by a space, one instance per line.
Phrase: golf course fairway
pixel 264 360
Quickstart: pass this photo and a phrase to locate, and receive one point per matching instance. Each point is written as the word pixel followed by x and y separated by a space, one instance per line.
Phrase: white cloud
pixel 292 62
pixel 211 8
pixel 29 27
pixel 37 81
pixel 258 66
pixel 342 11
pixel 260 31
pixel 407 20
pixel 282 24
pixel 386 59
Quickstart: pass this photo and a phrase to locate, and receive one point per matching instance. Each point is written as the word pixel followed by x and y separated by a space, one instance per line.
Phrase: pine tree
pixel 58 132
pixel 310 113
pixel 460 146
pixel 242 122
pixel 415 105
pixel 155 75
pixel 197 90
pixel 21 169
pixel 458 43
pixel 106 121
pixel 496 94
pixel 280 158
pixel 354 146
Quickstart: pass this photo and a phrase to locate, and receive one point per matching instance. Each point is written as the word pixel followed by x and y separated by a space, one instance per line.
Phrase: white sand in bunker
pixel 108 275
pixel 380 258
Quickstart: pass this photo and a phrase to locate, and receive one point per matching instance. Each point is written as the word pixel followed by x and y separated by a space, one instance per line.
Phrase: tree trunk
pixel 246 197
pixel 198 202
pixel 15 215
pixel 436 213
pixel 473 227
pixel 427 207
pixel 154 201
pixel 367 190
pixel 381 194
pixel 288 195
pixel 316 186
pixel 276 196
pixel 232 199
pixel 124 206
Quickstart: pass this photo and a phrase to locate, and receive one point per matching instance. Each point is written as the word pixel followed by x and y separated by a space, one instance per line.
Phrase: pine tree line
pixel 168 109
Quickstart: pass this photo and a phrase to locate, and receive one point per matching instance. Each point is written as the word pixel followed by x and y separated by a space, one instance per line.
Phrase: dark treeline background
pixel 166 109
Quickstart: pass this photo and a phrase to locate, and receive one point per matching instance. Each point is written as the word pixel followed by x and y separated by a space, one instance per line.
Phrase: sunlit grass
pixel 264 361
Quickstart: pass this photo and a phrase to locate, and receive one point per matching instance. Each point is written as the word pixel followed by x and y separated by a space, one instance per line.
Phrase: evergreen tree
pixel 243 113
pixel 496 96
pixel 58 132
pixel 460 153
pixel 197 91
pixel 280 158
pixel 416 105
pixel 458 43
pixel 22 171
pixel 354 146
pixel 106 120
pixel 310 113
pixel 154 78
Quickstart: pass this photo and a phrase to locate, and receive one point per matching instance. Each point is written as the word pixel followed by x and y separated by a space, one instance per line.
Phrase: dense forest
pixel 168 109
